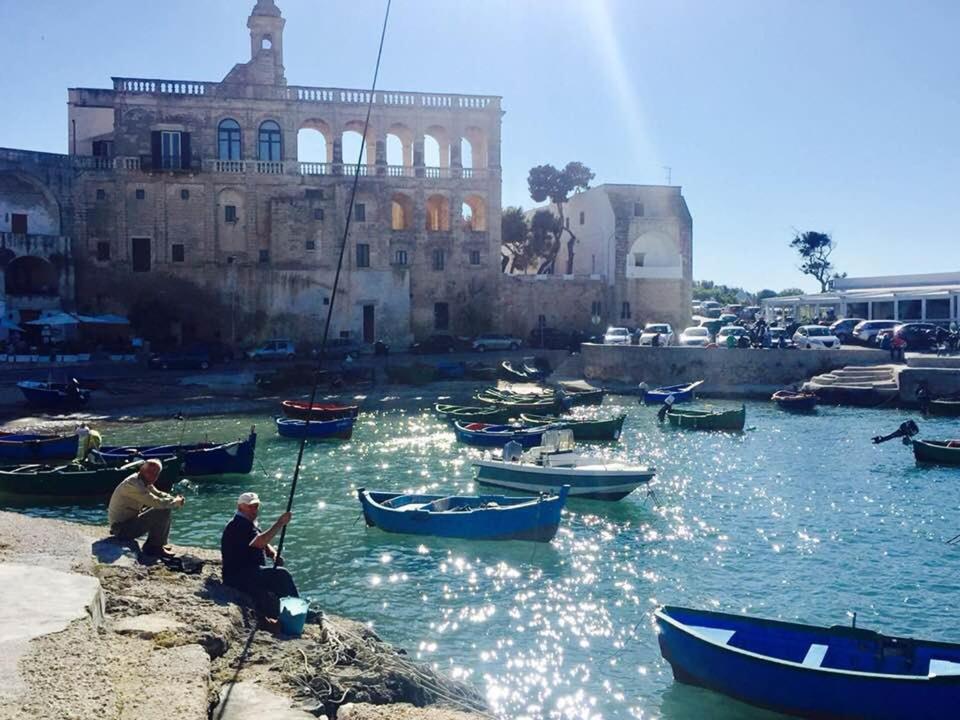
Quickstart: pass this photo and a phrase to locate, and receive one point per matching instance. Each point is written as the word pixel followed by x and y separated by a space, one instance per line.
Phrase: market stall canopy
pixel 104 319
pixel 60 318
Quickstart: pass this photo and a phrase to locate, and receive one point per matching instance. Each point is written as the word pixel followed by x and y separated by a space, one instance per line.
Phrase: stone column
pixel 337 156
pixel 456 164
pixel 381 156
pixel 418 157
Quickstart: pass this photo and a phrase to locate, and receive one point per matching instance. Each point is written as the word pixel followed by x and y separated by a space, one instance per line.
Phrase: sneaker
pixel 161 552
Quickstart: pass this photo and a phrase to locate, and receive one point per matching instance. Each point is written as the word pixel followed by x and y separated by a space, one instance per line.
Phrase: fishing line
pixel 336 284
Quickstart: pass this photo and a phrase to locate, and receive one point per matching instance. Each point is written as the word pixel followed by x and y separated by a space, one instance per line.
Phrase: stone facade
pixel 197 194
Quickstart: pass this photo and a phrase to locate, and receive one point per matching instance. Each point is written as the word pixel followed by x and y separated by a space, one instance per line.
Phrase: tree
pixel 546 182
pixel 789 292
pixel 765 293
pixel 815 249
pixel 513 234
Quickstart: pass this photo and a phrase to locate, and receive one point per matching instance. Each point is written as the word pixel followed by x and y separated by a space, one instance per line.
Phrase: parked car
pixel 728 318
pixel 550 338
pixel 882 339
pixel 437 343
pixel 843 329
pixel 195 357
pixel 694 337
pixel 866 331
pixel 815 336
pixel 920 337
pixel 274 350
pixel 651 330
pixel 712 326
pixel 728 330
pixel 778 332
pixel 491 341
pixel 710 312
pixel 750 313
pixel 617 336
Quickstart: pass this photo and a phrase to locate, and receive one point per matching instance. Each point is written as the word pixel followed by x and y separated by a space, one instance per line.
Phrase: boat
pixel 937 452
pixel 341 428
pixel 199 459
pixel 554 463
pixel 509 372
pixel 576 398
pixel 54 395
pixel 949 407
pixel 547 405
pixel 486 435
pixel 300 410
pixel 793 400
pixel 30 447
pixel 582 428
pixel 810 671
pixel 416 374
pixel 708 419
pixel 681 393
pixel 473 413
pixel 78 479
pixel 481 517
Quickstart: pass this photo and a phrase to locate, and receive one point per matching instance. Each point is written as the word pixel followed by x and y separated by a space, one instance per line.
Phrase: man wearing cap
pixel 244 549
pixel 138 508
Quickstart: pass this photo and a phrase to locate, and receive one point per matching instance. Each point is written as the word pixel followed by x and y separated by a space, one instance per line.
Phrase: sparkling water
pixel 799 517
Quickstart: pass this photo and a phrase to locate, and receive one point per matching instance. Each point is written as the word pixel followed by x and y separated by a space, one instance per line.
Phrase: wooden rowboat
pixel 937 452
pixel 583 429
pixel 78 479
pixel 732 420
pixel 485 435
pixel 944 406
pixel 473 413
pixel 791 400
pixel 300 410
pixel 203 458
pixel 680 393
pixel 340 428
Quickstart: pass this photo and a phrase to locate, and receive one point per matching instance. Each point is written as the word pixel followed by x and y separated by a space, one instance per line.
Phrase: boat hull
pixel 944 408
pixel 511 518
pixel 797 402
pixel 296 410
pixel 680 393
pixel 37 448
pixel 200 459
pixel 78 480
pixel 800 690
pixel 583 484
pixel 933 452
pixel 527 438
pixel 595 430
pixel 340 429
pixel 52 396
pixel 729 420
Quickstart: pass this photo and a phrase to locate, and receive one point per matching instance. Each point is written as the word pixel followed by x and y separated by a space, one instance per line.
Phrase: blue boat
pixel 27 447
pixel 810 671
pixel 681 393
pixel 481 517
pixel 485 435
pixel 54 395
pixel 205 458
pixel 341 428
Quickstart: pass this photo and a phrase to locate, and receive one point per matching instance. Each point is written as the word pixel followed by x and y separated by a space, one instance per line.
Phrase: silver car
pixel 490 341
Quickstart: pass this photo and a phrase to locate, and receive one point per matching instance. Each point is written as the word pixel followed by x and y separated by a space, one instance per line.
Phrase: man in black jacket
pixel 245 549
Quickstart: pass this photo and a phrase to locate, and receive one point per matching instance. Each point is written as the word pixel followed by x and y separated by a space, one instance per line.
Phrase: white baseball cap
pixel 248 498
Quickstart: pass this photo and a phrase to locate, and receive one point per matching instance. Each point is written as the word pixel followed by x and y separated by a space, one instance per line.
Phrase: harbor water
pixel 799 517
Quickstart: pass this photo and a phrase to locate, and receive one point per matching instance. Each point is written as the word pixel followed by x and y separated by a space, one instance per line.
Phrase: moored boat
pixel 577 398
pixel 793 400
pixel 301 410
pixel 482 517
pixel 583 428
pixel 949 407
pixel 203 458
pixel 473 413
pixel 54 395
pixel 708 419
pixel 31 447
pixel 486 435
pixel 684 392
pixel 77 479
pixel 810 671
pixel 341 428
pixel 554 464
pixel 937 452
pixel 513 374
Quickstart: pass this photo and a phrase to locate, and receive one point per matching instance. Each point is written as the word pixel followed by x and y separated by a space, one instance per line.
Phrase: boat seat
pixel 717 635
pixel 815 655
pixel 944 667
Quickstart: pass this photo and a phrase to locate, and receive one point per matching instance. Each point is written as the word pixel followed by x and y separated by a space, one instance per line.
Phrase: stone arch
pixel 438 213
pixel 474 213
pixel 436 147
pixel 401 212
pixel 21 194
pixel 315 141
pixel 477 140
pixel 654 255
pixel 31 275
pixel 350 142
pixel 399 144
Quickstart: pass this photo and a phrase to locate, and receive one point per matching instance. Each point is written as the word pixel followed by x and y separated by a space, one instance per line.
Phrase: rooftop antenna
pixel 669 171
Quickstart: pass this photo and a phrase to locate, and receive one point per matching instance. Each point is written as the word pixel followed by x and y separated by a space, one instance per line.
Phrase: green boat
pixel 944 407
pixel 708 419
pixel 937 452
pixel 583 429
pixel 77 479
pixel 472 413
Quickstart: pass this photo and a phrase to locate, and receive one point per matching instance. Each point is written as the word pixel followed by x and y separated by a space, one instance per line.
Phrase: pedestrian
pixel 898 347
pixel 138 508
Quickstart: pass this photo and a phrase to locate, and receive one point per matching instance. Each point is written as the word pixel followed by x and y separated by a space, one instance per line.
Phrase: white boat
pixel 553 464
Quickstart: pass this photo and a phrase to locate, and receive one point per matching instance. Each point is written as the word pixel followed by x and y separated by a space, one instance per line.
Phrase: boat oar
pixel 952 540
pixel 336 284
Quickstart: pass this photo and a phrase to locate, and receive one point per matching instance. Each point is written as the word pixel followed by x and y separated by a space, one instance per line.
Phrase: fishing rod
pixel 336 284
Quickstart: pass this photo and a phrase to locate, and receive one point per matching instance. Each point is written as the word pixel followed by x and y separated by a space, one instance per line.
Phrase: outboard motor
pixel 906 431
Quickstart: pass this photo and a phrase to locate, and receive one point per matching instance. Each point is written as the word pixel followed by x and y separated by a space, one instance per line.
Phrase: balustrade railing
pixel 265 167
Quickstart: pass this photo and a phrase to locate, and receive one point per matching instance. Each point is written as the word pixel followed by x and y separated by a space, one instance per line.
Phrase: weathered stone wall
pixel 725 371
pixel 565 302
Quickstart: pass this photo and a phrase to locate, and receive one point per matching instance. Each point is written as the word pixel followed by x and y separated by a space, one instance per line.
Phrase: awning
pixel 103 320
pixel 60 319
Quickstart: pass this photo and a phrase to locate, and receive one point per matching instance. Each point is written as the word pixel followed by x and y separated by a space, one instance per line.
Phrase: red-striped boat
pixel 301 410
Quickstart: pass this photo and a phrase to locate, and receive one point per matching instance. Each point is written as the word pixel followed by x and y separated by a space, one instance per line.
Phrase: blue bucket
pixel 293 615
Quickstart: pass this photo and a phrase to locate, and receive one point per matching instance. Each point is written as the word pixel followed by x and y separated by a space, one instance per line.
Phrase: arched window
pixel 229 140
pixel 438 214
pixel 270 147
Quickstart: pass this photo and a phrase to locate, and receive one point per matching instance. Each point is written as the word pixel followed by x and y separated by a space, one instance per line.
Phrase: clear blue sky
pixel 774 115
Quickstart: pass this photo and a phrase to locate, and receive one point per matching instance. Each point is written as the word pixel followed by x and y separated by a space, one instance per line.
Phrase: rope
pixel 336 284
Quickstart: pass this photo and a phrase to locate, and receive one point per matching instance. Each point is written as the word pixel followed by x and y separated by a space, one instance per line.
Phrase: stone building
pixel 632 264
pixel 198 208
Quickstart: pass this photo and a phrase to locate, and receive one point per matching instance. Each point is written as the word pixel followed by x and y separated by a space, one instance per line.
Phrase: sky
pixel 773 116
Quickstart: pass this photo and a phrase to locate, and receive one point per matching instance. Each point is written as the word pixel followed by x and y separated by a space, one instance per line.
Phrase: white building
pixel 931 297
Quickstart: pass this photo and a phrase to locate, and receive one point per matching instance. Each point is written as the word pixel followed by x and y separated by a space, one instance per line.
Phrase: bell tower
pixel 266 42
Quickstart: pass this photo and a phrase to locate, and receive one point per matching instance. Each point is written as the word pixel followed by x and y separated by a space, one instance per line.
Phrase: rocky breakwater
pixel 88 632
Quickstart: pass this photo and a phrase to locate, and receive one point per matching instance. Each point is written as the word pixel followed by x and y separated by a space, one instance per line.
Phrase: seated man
pixel 138 508
pixel 244 550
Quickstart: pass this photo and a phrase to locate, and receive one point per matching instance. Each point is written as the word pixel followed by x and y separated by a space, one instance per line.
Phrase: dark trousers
pixel 153 522
pixel 266 586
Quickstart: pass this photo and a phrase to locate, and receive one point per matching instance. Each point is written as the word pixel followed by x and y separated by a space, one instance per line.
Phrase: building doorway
pixel 18 223
pixel 369 328
pixel 141 254
pixel 441 316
